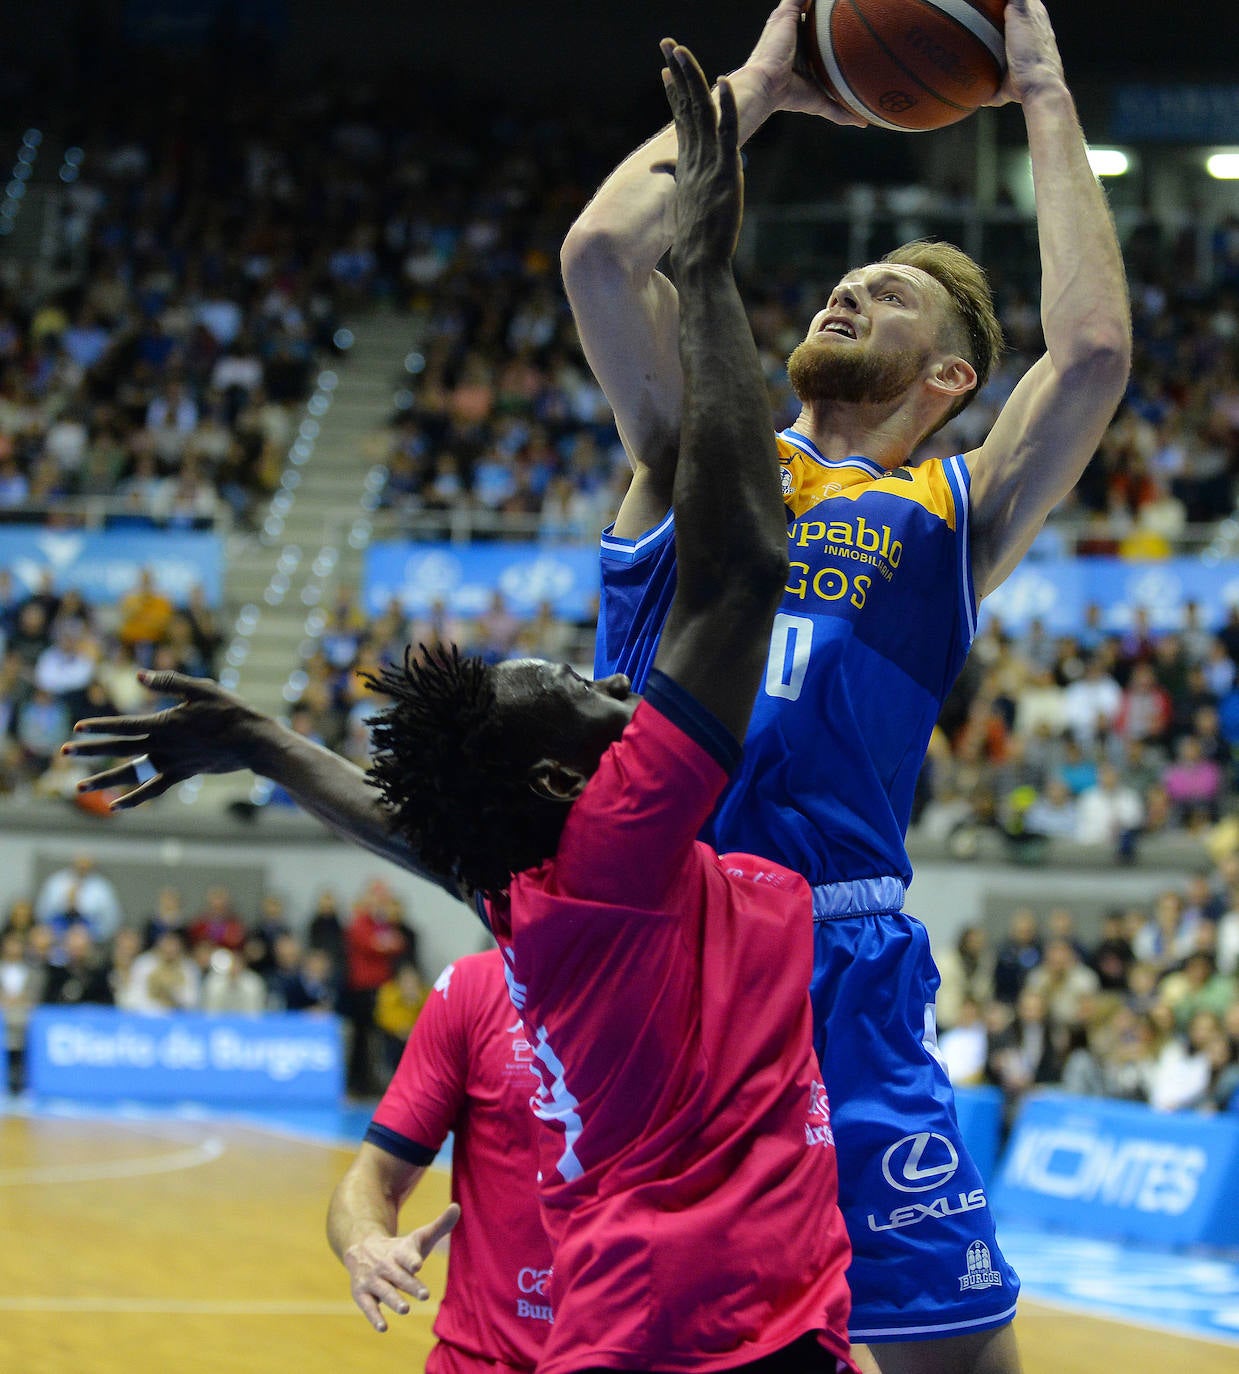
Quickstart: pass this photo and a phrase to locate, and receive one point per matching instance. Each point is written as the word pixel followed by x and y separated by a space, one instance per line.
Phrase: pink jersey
pixel 687 1162
pixel 468 1068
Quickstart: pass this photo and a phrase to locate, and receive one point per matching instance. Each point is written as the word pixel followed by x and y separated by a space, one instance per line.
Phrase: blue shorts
pixel 925 1262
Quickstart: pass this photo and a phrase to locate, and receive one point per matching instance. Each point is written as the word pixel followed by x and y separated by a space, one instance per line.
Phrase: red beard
pixel 822 372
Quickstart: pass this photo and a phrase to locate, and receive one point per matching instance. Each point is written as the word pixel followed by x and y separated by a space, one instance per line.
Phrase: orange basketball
pixel 906 64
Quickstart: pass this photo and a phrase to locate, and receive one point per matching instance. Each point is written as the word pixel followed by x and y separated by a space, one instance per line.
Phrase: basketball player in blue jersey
pixel 888 564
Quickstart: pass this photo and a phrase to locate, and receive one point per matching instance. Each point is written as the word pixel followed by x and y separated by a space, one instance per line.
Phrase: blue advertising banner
pixel 464 577
pixel 1180 113
pixel 104 564
pixel 1116 1169
pixel 1058 591
pixel 100 1052
pixel 979 1113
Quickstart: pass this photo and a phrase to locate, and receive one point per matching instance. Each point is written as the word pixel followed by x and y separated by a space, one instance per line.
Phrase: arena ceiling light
pixel 1109 162
pixel 1224 165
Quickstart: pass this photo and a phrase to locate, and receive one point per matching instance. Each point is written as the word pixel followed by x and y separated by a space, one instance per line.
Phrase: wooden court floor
pixel 174 1247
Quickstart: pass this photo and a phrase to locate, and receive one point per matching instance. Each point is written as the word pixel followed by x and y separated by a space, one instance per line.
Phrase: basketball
pixel 909 65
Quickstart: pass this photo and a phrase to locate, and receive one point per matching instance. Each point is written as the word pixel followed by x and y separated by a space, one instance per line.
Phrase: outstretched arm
pixel 1050 428
pixel 626 311
pixel 362 1229
pixel 731 533
pixel 212 731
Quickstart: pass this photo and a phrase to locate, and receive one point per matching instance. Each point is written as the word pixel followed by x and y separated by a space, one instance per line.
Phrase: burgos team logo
pixel 979 1274
pixel 920 1163
pixel 817 1129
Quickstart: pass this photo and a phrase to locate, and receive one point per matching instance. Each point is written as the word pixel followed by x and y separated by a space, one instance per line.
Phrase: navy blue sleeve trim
pixel 399 1145
pixel 685 712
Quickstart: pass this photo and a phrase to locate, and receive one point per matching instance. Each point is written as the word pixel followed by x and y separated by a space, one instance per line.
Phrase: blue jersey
pixel 875 623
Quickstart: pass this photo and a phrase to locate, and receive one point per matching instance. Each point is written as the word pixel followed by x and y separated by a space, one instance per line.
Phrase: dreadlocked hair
pixel 453 772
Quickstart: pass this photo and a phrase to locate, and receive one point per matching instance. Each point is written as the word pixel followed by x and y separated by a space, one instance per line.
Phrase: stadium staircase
pixel 280 580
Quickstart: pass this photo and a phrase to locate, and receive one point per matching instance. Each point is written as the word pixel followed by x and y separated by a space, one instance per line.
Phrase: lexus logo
pixel 920 1163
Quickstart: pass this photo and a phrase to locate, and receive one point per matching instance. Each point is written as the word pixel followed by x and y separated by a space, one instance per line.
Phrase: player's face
pixel 873 339
pixel 569 718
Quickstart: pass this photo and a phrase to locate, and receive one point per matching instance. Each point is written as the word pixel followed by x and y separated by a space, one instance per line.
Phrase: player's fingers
pixel 117 725
pixel 103 748
pixel 402 1275
pixel 439 1227
pixel 728 120
pixel 191 688
pixel 389 1295
pixel 122 775
pixel 673 83
pixel 370 1310
pixel 697 93
pixel 155 787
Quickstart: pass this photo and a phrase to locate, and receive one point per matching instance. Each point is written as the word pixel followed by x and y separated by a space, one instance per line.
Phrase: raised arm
pixel 626 311
pixel 212 731
pixel 1051 426
pixel 731 533
pixel 363 1231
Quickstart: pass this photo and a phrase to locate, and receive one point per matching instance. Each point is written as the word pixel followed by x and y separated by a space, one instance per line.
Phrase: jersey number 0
pixel 791 639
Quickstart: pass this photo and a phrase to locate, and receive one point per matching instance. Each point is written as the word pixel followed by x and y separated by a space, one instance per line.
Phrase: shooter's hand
pixel 773 63
pixel 1033 60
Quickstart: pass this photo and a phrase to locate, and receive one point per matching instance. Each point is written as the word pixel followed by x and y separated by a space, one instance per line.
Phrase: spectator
pixel 145 614
pixel 964 1046
pixel 1017 956
pixel 375 942
pixel 326 929
pixel 77 972
pixel 231 986
pixel 966 971
pixel 21 987
pixel 1113 957
pixel 1062 982
pixel 164 979
pixel 1193 783
pixel 80 893
pixel 1082 1074
pixel 1109 813
pixel 1166 937
pixel 1053 813
pixel 396 1009
pixel 1197 987
pixel 1091 705
pixel 218 924
pixel 1024 1053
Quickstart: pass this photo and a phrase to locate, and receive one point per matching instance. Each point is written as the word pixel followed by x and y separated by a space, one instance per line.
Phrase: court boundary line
pixel 205 1307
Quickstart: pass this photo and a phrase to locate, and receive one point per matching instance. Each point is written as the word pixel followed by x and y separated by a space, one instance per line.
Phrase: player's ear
pixel 952 376
pixel 556 781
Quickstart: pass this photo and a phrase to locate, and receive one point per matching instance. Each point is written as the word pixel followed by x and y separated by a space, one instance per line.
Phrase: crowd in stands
pixel 204 265
pixel 62 659
pixel 1099 738
pixel 75 944
pixel 1147 1010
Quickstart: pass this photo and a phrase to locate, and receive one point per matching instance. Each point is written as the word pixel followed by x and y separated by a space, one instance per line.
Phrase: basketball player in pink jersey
pixel 467 1069
pixel 687 1157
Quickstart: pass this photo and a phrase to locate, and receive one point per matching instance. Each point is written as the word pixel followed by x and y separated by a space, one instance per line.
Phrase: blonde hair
pixel 976 333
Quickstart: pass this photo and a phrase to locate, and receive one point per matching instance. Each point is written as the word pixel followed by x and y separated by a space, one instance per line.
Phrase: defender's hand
pixel 773 65
pixel 211 731
pixel 709 194
pixel 1033 59
pixel 382 1269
